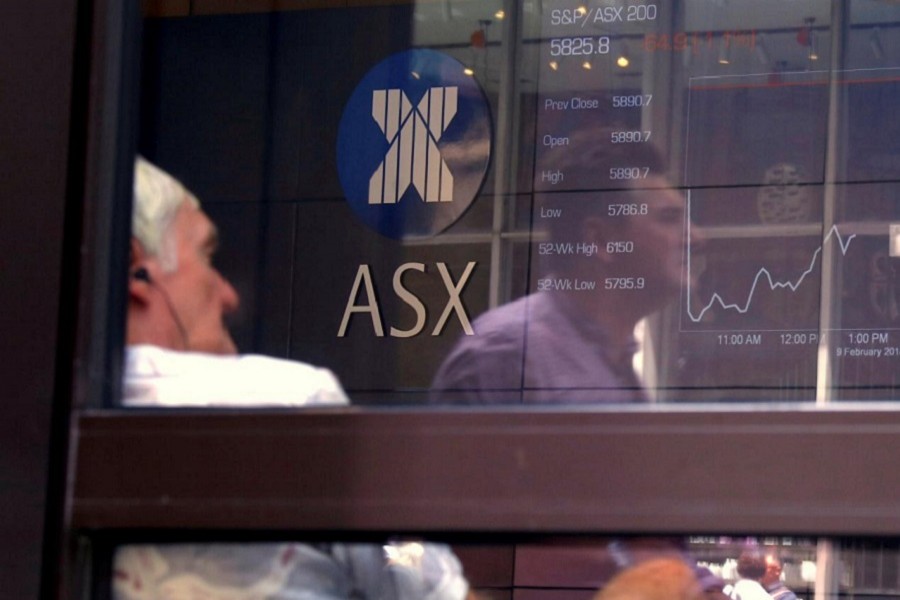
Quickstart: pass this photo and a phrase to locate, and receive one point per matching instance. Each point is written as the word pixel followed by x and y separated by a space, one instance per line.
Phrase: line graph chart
pixel 791 255
pixel 763 275
pixel 756 282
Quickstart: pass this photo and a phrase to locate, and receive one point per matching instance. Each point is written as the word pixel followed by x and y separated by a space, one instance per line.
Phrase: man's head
pixel 634 230
pixel 751 564
pixel 656 579
pixel 177 299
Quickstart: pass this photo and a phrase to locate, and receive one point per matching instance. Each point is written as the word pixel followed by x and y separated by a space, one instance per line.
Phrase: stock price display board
pixel 723 177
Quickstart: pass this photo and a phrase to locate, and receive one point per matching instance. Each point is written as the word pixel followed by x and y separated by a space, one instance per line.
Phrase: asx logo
pixel 413 157
pixel 414 144
pixel 370 305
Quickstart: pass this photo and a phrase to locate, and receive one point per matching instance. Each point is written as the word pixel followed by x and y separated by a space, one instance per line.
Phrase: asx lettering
pixel 369 304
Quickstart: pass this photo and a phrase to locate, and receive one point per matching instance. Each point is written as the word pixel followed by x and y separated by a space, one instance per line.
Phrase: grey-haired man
pixel 180 353
pixel 178 349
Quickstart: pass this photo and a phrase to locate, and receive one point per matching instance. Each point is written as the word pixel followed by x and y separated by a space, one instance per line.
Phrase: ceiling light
pixel 623 61
pixel 724 52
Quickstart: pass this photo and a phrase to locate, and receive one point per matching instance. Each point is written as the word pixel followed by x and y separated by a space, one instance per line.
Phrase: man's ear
pixel 597 230
pixel 139 274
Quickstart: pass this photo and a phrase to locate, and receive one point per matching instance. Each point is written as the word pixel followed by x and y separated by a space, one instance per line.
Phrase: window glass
pixel 694 567
pixel 538 202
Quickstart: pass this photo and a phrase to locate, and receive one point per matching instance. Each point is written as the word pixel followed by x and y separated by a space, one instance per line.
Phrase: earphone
pixel 142 274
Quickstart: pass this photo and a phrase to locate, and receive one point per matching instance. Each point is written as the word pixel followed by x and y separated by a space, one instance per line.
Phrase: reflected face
pixel 200 296
pixel 660 237
pixel 773 571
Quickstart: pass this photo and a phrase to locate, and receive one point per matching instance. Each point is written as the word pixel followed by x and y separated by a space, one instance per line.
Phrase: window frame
pixel 703 469
pixel 812 472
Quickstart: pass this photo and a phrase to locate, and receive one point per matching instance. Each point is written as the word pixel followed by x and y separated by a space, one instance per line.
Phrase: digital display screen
pixel 786 273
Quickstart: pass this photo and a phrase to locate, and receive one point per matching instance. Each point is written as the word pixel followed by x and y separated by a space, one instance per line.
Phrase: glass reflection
pixel 607 261
pixel 773 120
pixel 635 568
pixel 409 570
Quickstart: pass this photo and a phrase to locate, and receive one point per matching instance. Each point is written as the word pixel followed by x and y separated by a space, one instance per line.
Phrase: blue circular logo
pixel 414 144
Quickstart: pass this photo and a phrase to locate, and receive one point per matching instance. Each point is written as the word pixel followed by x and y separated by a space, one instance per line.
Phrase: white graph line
pixel 763 273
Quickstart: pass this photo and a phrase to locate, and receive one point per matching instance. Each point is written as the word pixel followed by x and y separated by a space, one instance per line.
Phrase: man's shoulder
pixel 747 589
pixel 487 367
pixel 781 592
pixel 503 318
pixel 509 321
pixel 157 376
pixel 498 330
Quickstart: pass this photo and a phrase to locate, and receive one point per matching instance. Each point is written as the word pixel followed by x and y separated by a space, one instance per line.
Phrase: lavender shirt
pixel 535 350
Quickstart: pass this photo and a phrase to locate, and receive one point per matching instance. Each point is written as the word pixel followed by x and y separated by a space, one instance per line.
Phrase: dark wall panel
pixel 34 121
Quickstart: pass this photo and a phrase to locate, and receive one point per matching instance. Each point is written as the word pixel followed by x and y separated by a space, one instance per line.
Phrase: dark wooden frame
pixel 699 471
pixel 39 241
pixel 482 475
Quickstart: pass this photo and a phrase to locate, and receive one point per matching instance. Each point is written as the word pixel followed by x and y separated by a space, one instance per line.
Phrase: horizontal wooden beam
pixel 685 471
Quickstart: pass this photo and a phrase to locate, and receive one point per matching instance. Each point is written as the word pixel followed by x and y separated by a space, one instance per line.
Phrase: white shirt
pixel 747 589
pixel 156 376
pixel 253 571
